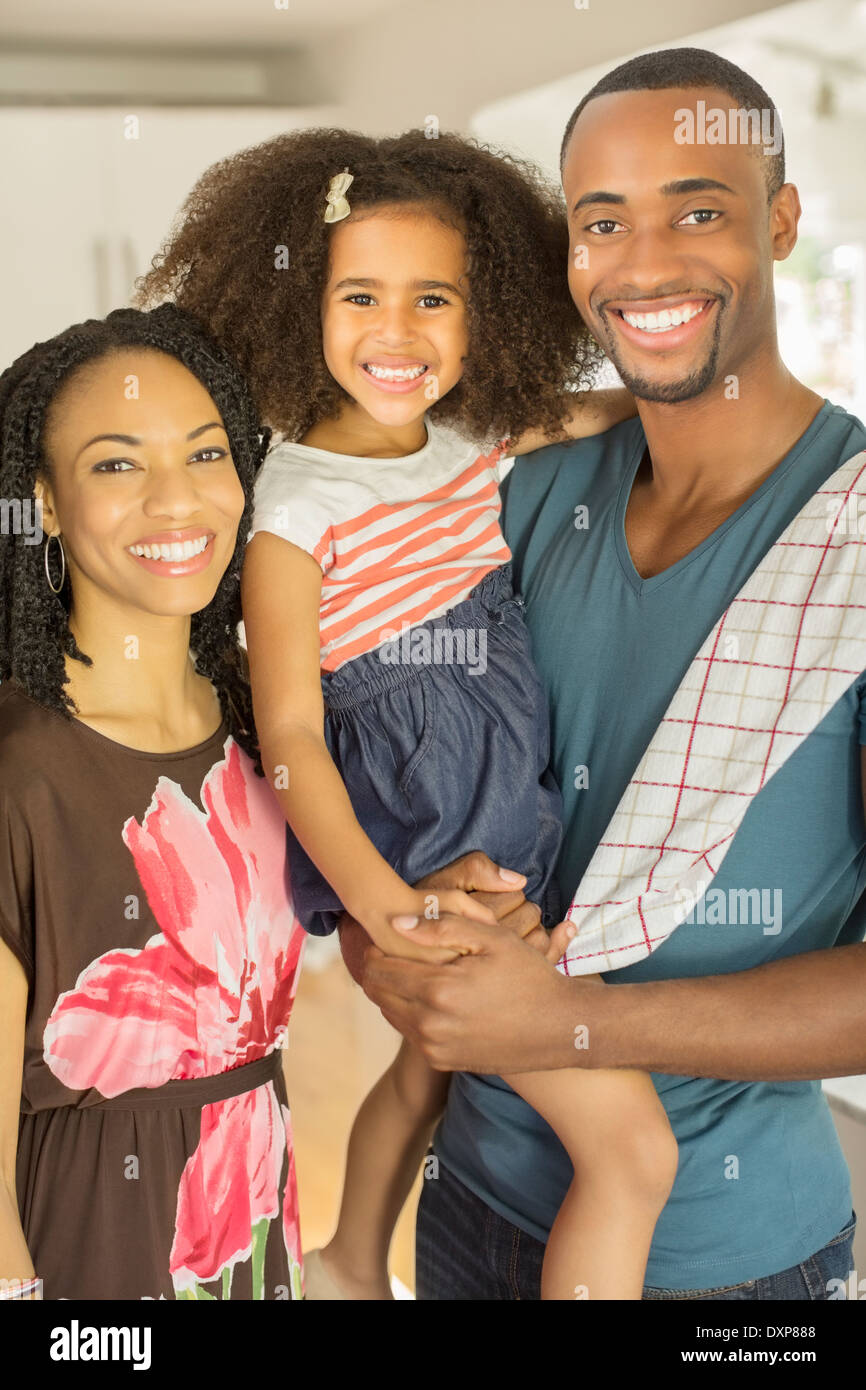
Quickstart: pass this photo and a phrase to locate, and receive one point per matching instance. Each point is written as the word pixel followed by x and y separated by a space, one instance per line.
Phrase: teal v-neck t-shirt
pixel 762 1183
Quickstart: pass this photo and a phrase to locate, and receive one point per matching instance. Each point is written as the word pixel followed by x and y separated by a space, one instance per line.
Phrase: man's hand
pixel 502 1008
pixel 499 889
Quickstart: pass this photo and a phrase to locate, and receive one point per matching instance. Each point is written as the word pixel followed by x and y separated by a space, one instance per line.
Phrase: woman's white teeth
pixel 394 373
pixel 665 319
pixel 176 550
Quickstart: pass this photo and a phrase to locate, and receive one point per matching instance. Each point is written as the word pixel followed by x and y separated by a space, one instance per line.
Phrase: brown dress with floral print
pixel 147 899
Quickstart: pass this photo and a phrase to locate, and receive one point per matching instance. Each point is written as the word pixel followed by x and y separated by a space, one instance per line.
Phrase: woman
pixel 148 948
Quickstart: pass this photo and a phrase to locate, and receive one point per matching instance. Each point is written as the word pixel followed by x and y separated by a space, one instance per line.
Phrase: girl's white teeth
pixel 175 550
pixel 394 373
pixel 665 319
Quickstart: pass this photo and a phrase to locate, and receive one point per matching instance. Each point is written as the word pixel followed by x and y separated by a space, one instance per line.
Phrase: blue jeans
pixel 464 1250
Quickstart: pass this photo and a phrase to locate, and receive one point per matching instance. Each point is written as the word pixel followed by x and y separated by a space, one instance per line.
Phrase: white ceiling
pixel 795 51
pixel 810 57
pixel 246 23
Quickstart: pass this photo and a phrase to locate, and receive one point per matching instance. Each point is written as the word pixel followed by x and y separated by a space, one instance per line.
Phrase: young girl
pixel 148 949
pixel 401 309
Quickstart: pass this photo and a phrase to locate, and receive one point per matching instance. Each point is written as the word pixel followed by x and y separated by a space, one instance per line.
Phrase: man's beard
pixel 670 392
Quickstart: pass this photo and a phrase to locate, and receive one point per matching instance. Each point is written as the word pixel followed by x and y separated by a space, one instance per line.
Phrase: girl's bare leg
pixel 388 1141
pixel 616 1133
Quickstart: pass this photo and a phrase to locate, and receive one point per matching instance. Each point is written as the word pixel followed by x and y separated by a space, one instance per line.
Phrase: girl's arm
pixel 281 591
pixel 589 412
pixel 15 1261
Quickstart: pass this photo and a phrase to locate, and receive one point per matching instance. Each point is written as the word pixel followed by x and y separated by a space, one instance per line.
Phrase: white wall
pixel 451 57
pixel 87 208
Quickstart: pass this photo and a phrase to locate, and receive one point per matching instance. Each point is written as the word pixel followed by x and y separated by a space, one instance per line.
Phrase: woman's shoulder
pixel 23 724
pixel 37 745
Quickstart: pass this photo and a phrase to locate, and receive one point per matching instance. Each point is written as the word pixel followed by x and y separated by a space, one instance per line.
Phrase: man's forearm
pixel 802 1018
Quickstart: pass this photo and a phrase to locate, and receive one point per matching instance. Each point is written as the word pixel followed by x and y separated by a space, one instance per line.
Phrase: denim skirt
pixel 441 737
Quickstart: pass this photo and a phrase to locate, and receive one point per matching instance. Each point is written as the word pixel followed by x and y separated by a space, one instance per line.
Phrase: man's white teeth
pixel 665 319
pixel 176 550
pixel 394 373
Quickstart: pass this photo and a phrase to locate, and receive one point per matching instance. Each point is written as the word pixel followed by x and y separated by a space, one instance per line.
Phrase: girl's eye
pixel 704 215
pixel 604 226
pixel 429 301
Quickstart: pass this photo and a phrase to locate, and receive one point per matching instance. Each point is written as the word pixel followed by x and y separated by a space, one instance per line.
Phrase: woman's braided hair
pixel 34 622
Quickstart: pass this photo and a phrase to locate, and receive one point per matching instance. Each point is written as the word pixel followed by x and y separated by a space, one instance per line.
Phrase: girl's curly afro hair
pixel 262 208
pixel 34 622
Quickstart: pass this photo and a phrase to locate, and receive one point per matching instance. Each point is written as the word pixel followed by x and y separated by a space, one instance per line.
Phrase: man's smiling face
pixel 676 281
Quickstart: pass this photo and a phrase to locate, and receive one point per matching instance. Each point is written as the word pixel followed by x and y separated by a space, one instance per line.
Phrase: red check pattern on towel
pixel 398 541
pixel 784 651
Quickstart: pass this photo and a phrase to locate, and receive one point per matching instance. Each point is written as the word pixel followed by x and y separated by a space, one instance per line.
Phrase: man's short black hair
pixel 691 67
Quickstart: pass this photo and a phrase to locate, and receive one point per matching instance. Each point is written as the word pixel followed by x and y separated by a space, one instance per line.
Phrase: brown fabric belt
pixel 202 1090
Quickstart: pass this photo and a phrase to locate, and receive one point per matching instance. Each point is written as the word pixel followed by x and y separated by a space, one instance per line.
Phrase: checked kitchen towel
pixel 785 650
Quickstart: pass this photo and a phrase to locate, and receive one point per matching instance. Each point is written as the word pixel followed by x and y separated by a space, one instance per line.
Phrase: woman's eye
pixel 113 466
pixel 704 216
pixel 124 465
pixel 208 455
pixel 437 301
pixel 354 298
pixel 604 226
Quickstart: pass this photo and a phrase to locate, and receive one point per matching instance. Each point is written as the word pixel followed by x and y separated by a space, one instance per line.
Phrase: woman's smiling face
pixel 394 332
pixel 142 487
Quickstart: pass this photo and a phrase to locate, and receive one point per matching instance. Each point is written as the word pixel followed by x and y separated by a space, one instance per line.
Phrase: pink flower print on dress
pixel 212 990
pixel 229 1185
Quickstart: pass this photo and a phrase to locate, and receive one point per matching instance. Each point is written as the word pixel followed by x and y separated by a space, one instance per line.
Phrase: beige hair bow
pixel 337 207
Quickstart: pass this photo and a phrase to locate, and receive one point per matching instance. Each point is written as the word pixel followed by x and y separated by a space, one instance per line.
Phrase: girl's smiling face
pixel 394 331
pixel 142 489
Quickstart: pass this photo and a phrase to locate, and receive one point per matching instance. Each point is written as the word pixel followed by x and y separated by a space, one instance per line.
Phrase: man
pixel 628 548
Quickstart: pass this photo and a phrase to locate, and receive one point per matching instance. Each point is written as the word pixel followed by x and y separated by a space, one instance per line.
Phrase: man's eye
pixel 605 226
pixel 704 215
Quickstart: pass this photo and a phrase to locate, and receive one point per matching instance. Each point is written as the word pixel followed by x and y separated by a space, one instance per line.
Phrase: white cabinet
pixel 85 207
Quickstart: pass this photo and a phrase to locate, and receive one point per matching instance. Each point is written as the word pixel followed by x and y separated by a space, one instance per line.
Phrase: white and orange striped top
pixel 399 540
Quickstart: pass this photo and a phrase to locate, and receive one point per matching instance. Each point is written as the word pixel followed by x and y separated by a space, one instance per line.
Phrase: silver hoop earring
pixel 62 564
